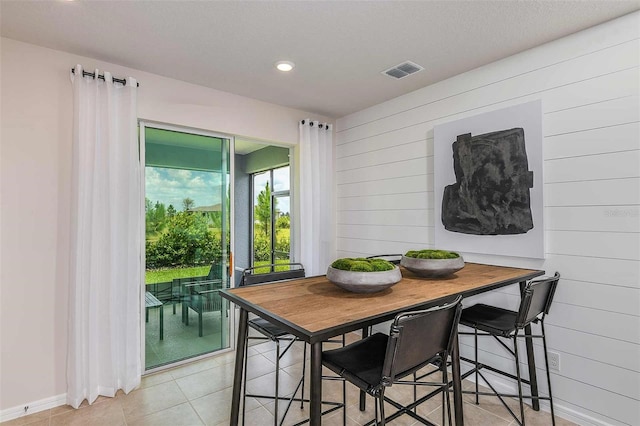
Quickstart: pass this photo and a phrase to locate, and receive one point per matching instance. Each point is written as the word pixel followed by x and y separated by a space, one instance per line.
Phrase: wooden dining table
pixel 315 310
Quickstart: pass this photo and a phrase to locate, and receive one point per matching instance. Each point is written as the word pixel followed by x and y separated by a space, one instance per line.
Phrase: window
pixel 271 217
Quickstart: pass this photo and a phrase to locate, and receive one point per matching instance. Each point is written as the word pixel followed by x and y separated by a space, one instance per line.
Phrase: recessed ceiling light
pixel 285 66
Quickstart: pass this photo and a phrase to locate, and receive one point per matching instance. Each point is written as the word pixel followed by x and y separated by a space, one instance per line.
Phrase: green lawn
pixel 164 275
pixel 266 262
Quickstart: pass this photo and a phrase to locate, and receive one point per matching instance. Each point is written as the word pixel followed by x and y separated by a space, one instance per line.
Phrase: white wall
pixel 35 177
pixel 588 83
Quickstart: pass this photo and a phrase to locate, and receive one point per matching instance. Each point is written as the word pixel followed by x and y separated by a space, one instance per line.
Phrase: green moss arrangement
pixel 432 254
pixel 361 264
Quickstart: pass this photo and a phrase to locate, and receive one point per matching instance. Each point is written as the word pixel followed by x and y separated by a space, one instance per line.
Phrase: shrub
pixel 261 247
pixel 283 244
pixel 283 222
pixel 186 242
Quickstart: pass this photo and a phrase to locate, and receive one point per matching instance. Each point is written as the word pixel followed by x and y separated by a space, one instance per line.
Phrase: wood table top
pixel 313 308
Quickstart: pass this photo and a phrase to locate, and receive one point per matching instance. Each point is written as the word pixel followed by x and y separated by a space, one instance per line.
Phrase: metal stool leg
pixel 476 364
pixel 546 364
pixel 381 402
pixel 445 394
pixel 244 382
pixel 344 390
pixel 277 395
pixel 515 350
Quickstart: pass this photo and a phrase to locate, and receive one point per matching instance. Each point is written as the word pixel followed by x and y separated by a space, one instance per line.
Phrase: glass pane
pixel 261 219
pixel 272 219
pixel 281 180
pixel 187 245
pixel 282 219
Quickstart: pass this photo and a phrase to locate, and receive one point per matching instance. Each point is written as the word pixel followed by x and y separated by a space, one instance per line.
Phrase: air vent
pixel 402 70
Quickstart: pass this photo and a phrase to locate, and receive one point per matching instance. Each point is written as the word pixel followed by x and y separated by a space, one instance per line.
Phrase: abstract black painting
pixel 488 183
pixel 491 192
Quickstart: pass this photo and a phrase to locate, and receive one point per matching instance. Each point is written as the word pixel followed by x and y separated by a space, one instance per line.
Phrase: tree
pixel 262 211
pixel 171 211
pixel 188 204
pixel 155 217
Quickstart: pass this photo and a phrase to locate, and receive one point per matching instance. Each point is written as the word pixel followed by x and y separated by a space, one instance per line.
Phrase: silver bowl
pixel 364 282
pixel 432 268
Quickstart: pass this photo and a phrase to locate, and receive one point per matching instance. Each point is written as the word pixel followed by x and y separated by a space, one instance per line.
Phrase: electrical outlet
pixel 554 361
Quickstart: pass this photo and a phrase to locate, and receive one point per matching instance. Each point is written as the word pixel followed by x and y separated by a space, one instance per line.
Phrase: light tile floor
pixel 199 393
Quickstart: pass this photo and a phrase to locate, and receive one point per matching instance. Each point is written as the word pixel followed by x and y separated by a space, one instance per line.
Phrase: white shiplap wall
pixel 589 86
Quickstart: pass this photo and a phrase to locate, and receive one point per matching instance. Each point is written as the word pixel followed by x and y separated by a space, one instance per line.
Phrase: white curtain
pixel 316 196
pixel 105 266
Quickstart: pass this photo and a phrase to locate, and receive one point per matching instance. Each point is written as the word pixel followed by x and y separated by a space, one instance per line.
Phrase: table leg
pixel 237 374
pixel 531 360
pixel 457 382
pixel 315 409
pixel 363 394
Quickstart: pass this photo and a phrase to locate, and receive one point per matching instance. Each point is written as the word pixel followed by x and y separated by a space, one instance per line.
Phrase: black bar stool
pixel 274 333
pixel 502 323
pixel 416 338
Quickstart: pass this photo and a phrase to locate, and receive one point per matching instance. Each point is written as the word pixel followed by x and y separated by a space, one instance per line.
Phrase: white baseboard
pixel 503 385
pixel 33 407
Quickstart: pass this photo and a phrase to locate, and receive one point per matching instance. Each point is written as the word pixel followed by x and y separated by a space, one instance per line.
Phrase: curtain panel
pixel 316 196
pixel 106 240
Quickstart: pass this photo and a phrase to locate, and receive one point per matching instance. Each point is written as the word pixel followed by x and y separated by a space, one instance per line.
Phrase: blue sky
pixel 280 183
pixel 171 186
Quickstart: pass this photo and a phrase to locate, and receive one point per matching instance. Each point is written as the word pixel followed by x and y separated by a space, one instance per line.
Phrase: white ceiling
pixel 339 47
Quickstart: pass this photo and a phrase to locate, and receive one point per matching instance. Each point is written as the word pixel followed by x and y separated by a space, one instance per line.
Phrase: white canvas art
pixel 488 183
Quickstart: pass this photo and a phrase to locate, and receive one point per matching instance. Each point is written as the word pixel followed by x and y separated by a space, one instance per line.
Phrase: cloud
pixel 171 186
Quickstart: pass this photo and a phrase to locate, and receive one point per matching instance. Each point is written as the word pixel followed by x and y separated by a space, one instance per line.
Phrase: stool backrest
pixel 418 337
pixel 249 277
pixel 536 299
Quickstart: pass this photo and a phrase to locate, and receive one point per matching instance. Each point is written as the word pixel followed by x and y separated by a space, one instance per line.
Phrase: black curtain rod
pixel 101 77
pixel 326 126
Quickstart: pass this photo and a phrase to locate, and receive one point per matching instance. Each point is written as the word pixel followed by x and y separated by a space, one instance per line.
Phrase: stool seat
pixel 361 362
pixel 268 329
pixel 490 319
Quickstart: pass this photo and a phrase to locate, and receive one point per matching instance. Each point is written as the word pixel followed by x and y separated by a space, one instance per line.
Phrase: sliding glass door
pixel 187 212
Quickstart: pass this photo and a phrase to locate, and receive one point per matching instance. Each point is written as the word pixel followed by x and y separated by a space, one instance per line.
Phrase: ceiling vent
pixel 403 70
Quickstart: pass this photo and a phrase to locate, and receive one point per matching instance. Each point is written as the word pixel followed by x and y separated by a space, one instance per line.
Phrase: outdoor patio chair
pixel 181 295
pixel 202 296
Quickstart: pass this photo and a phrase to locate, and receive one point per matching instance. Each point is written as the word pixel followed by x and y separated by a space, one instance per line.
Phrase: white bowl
pixel 432 268
pixel 364 282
